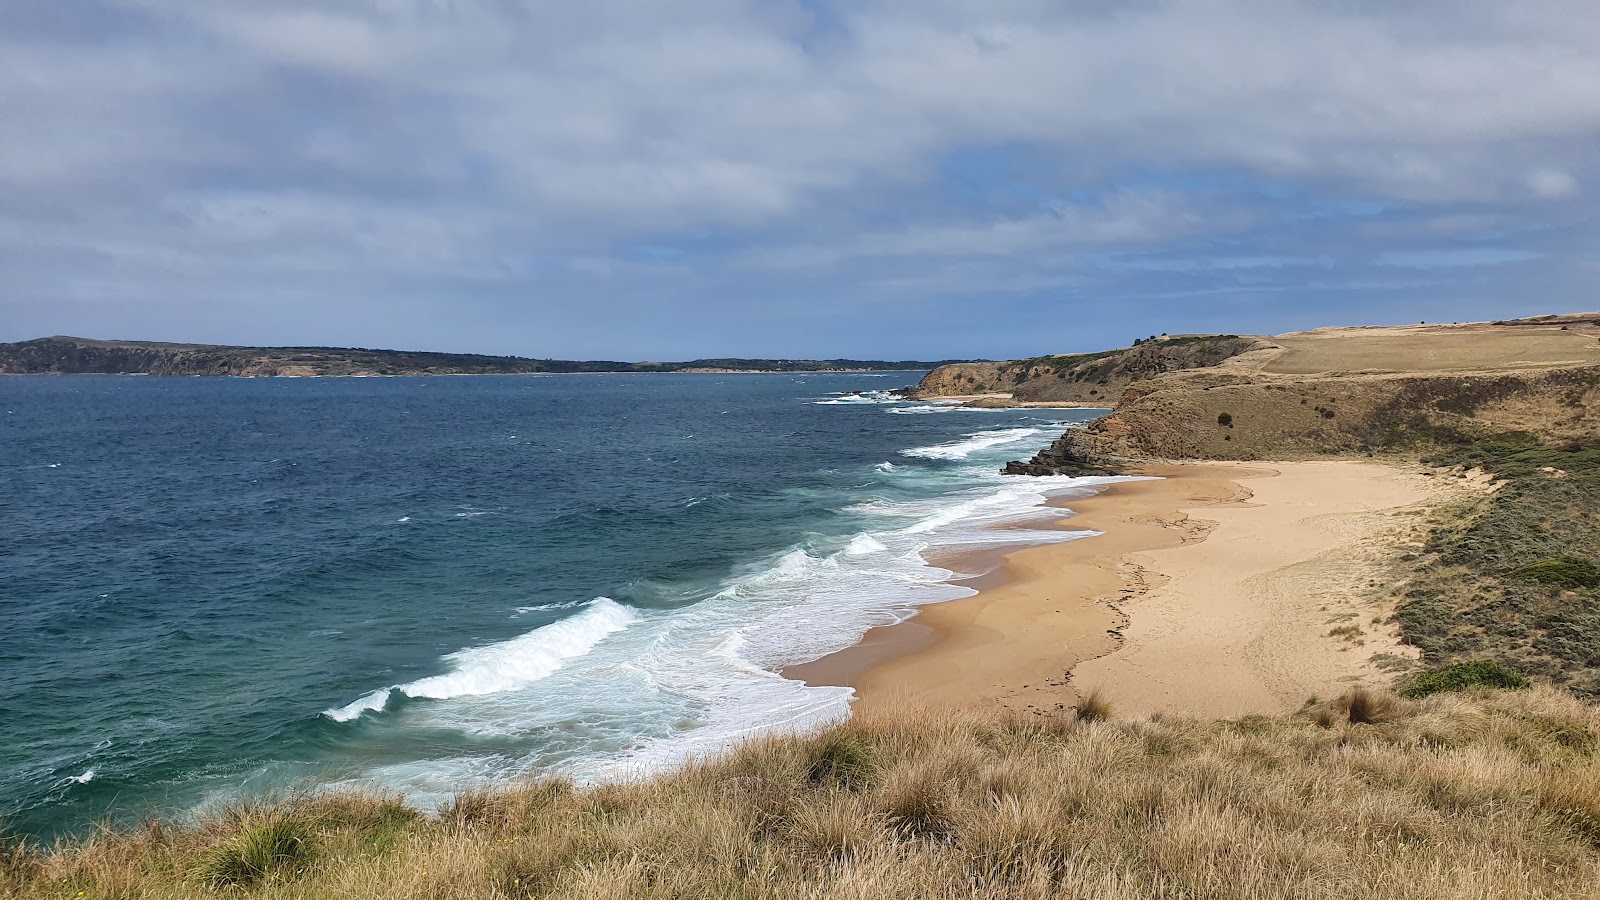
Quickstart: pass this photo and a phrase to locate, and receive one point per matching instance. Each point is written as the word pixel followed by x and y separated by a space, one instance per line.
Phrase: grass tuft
pixel 1094 707
pixel 1364 707
pixel 916 799
pixel 274 846
pixel 842 759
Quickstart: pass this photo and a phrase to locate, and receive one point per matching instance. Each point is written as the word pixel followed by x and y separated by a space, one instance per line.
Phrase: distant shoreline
pixel 86 356
pixel 467 374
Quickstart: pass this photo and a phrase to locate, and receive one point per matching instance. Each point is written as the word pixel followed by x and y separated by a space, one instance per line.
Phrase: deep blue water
pixel 210 586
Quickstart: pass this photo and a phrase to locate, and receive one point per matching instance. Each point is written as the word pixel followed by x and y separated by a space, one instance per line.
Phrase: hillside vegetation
pixel 1458 795
pixel 81 356
pixel 1513 576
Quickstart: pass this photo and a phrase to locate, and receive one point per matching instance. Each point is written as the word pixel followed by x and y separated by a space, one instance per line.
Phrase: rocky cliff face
pixel 1288 418
pixel 961 378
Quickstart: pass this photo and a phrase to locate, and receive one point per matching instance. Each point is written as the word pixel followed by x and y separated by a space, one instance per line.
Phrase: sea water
pixel 216 587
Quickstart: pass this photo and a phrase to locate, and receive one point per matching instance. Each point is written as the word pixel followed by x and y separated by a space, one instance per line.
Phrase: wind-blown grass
pixel 1462 794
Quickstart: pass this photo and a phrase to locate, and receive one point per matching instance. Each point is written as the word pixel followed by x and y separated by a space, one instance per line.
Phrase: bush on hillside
pixel 1562 571
pixel 1459 677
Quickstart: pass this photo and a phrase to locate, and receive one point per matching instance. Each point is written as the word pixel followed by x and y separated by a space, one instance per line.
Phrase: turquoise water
pixel 211 586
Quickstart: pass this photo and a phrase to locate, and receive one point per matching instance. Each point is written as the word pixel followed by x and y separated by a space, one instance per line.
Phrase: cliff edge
pixel 1351 390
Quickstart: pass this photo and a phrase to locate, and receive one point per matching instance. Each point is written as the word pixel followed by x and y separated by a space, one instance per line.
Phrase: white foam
pixel 519 662
pixel 372 702
pixel 705 675
pixel 862 544
pixel 508 665
pixel 85 778
pixel 925 407
pixel 863 397
pixel 974 442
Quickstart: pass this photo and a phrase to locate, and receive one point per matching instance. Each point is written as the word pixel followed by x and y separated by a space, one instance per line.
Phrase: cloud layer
pixel 798 178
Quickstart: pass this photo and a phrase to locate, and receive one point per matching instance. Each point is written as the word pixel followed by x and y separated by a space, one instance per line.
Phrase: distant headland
pixel 61 355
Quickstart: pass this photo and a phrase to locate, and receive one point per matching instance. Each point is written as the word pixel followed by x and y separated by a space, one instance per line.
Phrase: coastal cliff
pixel 80 356
pixel 1354 390
pixel 1085 378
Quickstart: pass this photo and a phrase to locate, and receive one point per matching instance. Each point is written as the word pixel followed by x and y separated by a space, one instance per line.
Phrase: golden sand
pixel 1213 590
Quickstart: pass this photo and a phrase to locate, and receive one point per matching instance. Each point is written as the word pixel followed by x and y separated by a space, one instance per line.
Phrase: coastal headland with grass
pixel 1309 615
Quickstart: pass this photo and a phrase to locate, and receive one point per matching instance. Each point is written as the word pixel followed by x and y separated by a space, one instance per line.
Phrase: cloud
pixel 513 152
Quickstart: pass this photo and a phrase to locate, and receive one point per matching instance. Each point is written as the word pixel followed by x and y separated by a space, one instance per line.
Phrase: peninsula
pixel 62 355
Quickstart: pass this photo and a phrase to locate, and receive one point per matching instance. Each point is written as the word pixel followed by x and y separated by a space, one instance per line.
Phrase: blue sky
pixel 789 178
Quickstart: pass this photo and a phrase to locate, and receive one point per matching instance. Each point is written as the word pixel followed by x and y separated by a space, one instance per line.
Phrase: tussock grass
pixel 1094 707
pixel 1462 794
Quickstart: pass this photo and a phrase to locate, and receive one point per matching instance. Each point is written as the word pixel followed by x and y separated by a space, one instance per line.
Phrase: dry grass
pixel 1477 794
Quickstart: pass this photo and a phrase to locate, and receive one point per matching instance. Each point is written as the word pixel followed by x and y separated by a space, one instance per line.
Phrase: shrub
pixel 1460 676
pixel 1562 571
pixel 1225 420
pixel 263 848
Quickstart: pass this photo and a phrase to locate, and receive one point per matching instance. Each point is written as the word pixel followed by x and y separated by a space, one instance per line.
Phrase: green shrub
pixel 274 846
pixel 1459 677
pixel 1562 571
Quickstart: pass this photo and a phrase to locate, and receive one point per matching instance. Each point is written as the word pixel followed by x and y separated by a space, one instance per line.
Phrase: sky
pixel 799 178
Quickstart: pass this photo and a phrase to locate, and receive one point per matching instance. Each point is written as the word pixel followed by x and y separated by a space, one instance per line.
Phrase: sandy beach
pixel 1220 589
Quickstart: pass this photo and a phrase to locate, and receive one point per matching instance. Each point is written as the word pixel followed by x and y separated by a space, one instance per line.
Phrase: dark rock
pixel 1063 457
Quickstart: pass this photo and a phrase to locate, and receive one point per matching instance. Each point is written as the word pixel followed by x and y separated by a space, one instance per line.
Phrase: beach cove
pixel 1211 589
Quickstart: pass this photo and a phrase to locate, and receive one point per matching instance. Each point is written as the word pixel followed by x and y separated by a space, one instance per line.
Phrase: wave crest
pixel 508 665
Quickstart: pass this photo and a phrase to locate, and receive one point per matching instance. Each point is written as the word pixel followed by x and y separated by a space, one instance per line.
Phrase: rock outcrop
pixel 1066 456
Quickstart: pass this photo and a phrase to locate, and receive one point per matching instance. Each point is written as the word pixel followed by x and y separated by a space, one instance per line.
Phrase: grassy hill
pixel 1457 795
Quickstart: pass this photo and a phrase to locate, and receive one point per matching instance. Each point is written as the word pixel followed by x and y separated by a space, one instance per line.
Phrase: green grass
pixel 1459 677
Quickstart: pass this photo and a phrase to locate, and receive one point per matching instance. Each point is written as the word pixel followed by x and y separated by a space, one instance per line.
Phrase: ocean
pixel 215 587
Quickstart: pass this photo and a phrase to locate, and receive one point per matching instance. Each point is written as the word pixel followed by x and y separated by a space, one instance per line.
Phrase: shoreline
pixel 1212 590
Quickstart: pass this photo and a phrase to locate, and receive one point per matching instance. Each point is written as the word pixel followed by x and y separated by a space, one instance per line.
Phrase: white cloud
pixel 1552 183
pixel 451 137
